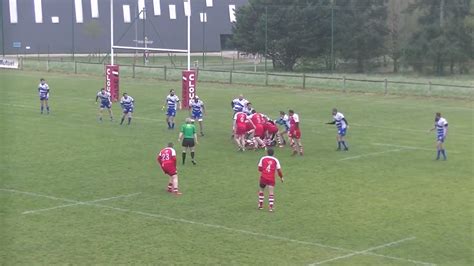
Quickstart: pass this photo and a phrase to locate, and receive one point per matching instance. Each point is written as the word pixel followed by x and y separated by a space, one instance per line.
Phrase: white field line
pixel 370 154
pixel 364 251
pixel 225 228
pixel 407 147
pixel 80 203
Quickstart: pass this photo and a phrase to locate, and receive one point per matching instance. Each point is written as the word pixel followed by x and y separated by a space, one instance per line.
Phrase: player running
pixel 441 126
pixel 295 134
pixel 197 111
pixel 171 104
pixel 267 166
pixel 167 160
pixel 341 125
pixel 127 103
pixel 105 102
pixel 189 137
pixel 43 92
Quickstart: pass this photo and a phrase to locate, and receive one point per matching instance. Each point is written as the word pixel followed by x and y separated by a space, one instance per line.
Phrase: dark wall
pixel 93 35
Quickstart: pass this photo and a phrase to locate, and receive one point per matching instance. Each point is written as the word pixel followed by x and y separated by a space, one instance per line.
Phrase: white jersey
pixel 441 126
pixel 127 102
pixel 238 105
pixel 196 106
pixel 172 102
pixel 340 122
pixel 43 90
pixel 104 97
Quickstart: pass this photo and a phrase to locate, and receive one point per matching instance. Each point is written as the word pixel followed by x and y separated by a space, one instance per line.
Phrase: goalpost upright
pixel 188 77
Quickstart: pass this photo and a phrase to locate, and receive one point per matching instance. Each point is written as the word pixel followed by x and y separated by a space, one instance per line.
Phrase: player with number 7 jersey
pixel 268 166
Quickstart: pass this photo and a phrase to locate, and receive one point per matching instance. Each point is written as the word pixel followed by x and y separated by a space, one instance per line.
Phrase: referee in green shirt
pixel 189 137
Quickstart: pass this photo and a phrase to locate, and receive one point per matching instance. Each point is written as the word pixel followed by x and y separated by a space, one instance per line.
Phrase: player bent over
pixel 441 126
pixel 267 166
pixel 105 102
pixel 127 103
pixel 43 91
pixel 167 160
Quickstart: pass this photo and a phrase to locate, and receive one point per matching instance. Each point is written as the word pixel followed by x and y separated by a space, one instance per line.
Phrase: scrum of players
pixel 253 130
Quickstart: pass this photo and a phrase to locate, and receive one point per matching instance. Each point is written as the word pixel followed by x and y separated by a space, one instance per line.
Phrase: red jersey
pixel 271 127
pixel 294 122
pixel 267 166
pixel 167 156
pixel 257 119
pixel 240 118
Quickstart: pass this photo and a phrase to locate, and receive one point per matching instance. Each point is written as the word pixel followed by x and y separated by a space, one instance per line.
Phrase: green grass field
pixel 75 191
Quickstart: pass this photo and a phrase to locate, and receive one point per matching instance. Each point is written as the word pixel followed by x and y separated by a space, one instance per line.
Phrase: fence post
pixel 233 63
pixel 385 84
pixel 75 67
pixel 164 71
pixel 344 83
pixel 47 65
pixel 429 88
pixel 133 70
pixel 230 77
pixel 266 78
pixel 304 80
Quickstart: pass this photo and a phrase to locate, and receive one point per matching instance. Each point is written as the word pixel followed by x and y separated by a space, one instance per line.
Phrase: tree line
pixel 427 35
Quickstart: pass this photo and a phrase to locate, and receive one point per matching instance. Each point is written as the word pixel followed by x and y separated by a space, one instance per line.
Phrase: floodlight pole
pixel 266 37
pixel 111 32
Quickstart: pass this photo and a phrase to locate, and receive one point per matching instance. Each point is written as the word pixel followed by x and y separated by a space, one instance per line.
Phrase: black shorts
pixel 189 143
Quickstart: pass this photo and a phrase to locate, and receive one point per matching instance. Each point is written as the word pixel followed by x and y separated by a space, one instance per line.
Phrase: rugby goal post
pixel 189 76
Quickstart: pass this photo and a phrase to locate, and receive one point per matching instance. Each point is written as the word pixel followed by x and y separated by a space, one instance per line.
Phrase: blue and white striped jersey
pixel 43 90
pixel 196 106
pixel 104 97
pixel 238 105
pixel 127 102
pixel 340 122
pixel 172 102
pixel 441 126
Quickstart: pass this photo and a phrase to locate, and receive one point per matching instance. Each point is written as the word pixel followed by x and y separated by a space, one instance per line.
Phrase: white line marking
pixel 80 203
pixel 159 216
pixel 370 154
pixel 364 251
pixel 407 147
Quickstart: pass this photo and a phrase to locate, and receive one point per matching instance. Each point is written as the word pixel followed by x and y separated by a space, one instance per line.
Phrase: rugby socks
pixel 42 108
pixel 339 145
pixel 175 185
pixel 271 200
pixel 47 108
pixel 344 144
pixel 129 120
pixel 170 187
pixel 172 125
pixel 261 197
pixel 169 125
pixel 121 121
pixel 439 153
pixel 184 156
pixel 192 158
pixel 443 152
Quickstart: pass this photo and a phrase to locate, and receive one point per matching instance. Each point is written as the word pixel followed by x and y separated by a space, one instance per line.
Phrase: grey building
pixel 83 26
